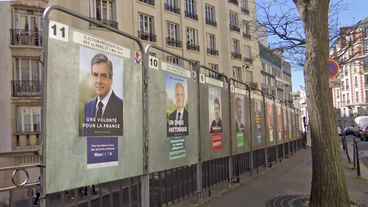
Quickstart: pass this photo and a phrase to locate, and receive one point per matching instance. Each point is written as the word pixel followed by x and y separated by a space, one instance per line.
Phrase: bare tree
pixel 307 34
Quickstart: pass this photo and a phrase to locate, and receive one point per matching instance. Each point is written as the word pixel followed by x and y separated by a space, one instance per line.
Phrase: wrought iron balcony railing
pixel 26 88
pixel 191 15
pixel 150 2
pixel 110 23
pixel 193 47
pixel 172 8
pixel 212 51
pixel 173 42
pixel 236 55
pixel 234 2
pixel 147 36
pixel 211 22
pixel 26 37
pixel 246 35
pixel 233 27
pixel 248 60
pixel 244 10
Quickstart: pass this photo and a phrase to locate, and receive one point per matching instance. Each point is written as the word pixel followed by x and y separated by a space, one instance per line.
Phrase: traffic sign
pixel 333 68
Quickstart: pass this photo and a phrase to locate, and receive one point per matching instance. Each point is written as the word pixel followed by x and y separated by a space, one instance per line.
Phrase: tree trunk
pixel 328 179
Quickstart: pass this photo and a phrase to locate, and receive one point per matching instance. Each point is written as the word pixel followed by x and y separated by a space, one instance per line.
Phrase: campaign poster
pixel 270 121
pixel 177 147
pixel 290 120
pixel 102 152
pixel 279 122
pixel 177 106
pixel 215 114
pixel 258 115
pixel 285 123
pixel 240 119
pixel 215 110
pixel 100 94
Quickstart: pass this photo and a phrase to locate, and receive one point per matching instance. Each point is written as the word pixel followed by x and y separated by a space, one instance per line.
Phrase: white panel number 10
pixel 58 31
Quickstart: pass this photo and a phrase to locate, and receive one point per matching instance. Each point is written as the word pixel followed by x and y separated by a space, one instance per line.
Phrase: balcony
pixel 26 37
pixel 150 2
pixel 192 47
pixel 172 8
pixel 234 2
pixel 244 10
pixel 233 27
pixel 191 15
pixel 246 36
pixel 110 23
pixel 26 88
pixel 147 36
pixel 248 60
pixel 236 55
pixel 212 51
pixel 173 42
pixel 211 22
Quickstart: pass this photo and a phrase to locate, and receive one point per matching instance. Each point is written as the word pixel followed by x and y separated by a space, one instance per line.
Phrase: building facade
pixel 351 99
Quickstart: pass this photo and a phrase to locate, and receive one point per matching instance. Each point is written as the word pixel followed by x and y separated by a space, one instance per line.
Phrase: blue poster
pixel 102 152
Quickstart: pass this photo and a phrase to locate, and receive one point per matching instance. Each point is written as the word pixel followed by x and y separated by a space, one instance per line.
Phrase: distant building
pixel 351 51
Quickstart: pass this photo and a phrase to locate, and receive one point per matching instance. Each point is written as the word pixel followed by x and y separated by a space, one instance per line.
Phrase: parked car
pixel 360 123
pixel 349 130
pixel 364 135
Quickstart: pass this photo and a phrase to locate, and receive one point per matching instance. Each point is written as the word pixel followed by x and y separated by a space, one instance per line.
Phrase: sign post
pixel 333 70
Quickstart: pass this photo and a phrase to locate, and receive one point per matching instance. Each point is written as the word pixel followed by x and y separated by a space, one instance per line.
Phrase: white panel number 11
pixel 59 31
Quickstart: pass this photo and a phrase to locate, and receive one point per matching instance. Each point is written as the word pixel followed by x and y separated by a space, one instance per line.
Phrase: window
pixel 27 27
pixel 150 2
pixel 234 26
pixel 192 39
pixel 173 35
pixel 27 77
pixel 248 76
pixel 246 30
pixel 215 68
pixel 357 96
pixel 263 67
pixel 356 81
pixel 104 11
pixel 347 98
pixel 244 6
pixel 211 42
pixel 237 73
pixel 146 28
pixel 172 6
pixel 193 65
pixel 210 16
pixel 173 59
pixel 247 54
pixel 190 9
pixel 365 49
pixel 28 119
pixel 235 50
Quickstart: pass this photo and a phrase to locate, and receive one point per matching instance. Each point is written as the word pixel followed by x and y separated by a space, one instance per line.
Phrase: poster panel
pixel 172 116
pixel 215 126
pixel 285 123
pixel 91 86
pixel 279 123
pixel 259 140
pixel 271 123
pixel 240 124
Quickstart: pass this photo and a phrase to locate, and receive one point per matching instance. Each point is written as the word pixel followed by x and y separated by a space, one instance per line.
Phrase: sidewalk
pixel 292 177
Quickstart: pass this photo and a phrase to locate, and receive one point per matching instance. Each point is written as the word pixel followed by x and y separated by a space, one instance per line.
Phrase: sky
pixel 356 11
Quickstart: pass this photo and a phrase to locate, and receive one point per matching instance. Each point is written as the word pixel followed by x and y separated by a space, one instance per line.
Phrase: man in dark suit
pixel 103 115
pixel 239 125
pixel 178 120
pixel 216 125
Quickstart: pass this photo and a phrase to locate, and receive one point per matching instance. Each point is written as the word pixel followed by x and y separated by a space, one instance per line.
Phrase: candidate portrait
pixel 103 114
pixel 239 114
pixel 216 125
pixel 177 122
